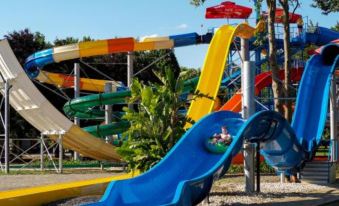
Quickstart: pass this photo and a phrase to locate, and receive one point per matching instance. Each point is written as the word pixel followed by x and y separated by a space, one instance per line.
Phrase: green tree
pixel 336 27
pixel 24 43
pixel 327 6
pixel 67 40
pixel 189 73
pixel 197 2
pixel 157 124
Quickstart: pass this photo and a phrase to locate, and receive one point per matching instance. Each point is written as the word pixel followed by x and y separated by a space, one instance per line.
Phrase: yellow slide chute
pixel 213 68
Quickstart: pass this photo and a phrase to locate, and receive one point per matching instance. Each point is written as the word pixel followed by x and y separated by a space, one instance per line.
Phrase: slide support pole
pixel 333 131
pixel 61 152
pixel 76 95
pixel 130 60
pixel 247 85
pixel 108 110
pixel 7 126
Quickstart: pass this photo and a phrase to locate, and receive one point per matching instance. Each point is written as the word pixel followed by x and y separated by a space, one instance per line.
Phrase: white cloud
pixel 182 26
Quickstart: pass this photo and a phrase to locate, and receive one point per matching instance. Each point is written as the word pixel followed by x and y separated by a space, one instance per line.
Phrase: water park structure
pixel 285 147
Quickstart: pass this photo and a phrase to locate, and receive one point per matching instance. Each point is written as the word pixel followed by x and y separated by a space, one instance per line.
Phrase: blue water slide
pixel 38 60
pixel 185 175
pixel 320 36
pixel 184 39
pixel 310 113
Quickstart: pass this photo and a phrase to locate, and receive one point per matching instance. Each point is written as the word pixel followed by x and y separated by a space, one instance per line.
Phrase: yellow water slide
pixel 215 62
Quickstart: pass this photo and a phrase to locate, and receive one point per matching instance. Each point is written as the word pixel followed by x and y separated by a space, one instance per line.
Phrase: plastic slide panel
pixel 86 84
pixel 214 64
pixel 191 177
pixel 26 99
pixel 38 60
pixel 309 118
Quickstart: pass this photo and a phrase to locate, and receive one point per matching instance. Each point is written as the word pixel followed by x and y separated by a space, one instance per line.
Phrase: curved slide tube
pixel 86 84
pixel 284 147
pixel 310 113
pixel 191 176
pixel 38 60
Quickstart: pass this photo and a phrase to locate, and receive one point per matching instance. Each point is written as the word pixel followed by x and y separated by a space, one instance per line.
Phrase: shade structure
pixel 228 10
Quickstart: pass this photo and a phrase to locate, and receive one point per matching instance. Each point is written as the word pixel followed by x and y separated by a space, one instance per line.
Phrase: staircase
pixel 316 172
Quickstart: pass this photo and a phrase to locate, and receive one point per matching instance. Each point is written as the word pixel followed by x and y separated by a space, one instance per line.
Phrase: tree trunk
pixel 276 83
pixel 287 61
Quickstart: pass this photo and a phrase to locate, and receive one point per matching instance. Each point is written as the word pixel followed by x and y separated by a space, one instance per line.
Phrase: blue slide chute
pixel 185 175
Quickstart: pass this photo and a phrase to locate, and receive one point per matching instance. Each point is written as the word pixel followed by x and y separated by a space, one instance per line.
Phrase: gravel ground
pixel 227 191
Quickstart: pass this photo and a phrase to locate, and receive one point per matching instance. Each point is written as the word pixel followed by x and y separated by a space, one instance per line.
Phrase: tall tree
pixel 157 124
pixel 287 56
pixel 272 57
pixel 24 43
pixel 327 6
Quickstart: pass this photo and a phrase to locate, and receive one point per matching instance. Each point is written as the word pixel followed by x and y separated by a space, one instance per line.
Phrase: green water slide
pixel 86 107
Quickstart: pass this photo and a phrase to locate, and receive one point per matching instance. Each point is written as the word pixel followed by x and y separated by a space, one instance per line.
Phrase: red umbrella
pixel 228 10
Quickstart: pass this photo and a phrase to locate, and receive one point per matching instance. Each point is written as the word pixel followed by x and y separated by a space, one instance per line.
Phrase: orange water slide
pixel 67 81
pixel 261 81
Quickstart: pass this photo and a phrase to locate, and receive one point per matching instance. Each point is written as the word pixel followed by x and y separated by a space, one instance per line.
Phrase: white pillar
pixel 333 120
pixel 130 72
pixel 7 126
pixel 247 86
pixel 76 95
pixel 248 108
pixel 249 167
pixel 60 154
pixel 333 131
pixel 42 148
pixel 130 60
pixel 108 109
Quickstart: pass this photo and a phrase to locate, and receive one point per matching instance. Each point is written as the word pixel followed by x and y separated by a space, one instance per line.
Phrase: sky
pixel 103 19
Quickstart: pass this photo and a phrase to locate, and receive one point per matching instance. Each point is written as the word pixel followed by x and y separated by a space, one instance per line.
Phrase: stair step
pixel 317 162
pixel 313 169
pixel 314 173
pixel 314 177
